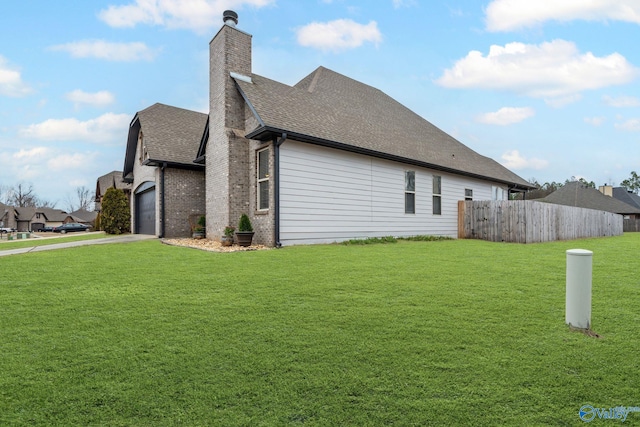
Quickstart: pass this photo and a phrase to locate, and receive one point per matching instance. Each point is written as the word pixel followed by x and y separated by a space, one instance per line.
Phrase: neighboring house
pixel 325 160
pixel 579 195
pixel 168 187
pixel 8 217
pixel 32 219
pixel 84 216
pixel 624 195
pixel 111 180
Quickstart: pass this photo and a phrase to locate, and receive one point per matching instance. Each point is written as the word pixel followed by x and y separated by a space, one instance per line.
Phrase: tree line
pixel 23 195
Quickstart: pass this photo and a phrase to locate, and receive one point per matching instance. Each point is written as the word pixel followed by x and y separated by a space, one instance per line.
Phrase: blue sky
pixel 550 89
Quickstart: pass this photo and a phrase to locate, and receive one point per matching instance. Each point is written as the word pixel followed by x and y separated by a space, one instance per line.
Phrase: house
pixel 580 195
pixel 168 187
pixel 8 217
pixel 33 219
pixel 324 160
pixel 113 179
pixel 624 195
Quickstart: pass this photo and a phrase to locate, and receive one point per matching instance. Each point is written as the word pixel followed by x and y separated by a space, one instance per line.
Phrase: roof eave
pixel 268 133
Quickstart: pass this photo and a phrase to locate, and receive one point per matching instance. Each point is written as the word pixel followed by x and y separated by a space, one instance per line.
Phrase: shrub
pixel 116 216
pixel 245 224
pixel 371 240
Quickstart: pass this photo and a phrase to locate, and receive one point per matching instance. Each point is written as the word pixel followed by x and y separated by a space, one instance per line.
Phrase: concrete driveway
pixel 125 238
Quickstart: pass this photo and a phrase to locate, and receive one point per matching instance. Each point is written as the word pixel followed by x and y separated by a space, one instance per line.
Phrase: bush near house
pixel 116 215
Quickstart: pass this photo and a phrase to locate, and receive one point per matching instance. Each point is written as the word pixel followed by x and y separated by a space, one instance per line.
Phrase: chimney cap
pixel 229 17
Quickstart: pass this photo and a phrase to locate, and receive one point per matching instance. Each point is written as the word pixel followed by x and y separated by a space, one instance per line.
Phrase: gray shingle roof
pixel 327 106
pixel 112 179
pixel 579 195
pixel 623 195
pixel 171 134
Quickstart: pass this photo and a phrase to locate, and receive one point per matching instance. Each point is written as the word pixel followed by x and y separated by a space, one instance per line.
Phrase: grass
pixel 6 244
pixel 414 333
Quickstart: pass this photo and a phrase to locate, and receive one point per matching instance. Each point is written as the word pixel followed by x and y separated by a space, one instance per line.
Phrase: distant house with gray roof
pixel 580 195
pixel 113 179
pixel 327 159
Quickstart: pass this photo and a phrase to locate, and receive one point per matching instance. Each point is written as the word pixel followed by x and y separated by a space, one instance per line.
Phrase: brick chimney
pixel 227 153
pixel 607 190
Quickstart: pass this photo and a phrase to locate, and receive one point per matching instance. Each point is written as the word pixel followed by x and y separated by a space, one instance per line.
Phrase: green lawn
pixel 411 333
pixel 6 244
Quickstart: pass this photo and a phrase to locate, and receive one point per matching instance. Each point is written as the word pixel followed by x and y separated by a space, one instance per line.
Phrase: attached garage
pixel 145 207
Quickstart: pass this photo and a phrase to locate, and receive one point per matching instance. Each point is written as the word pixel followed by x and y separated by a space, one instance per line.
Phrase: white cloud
pixel 514 160
pixel 595 121
pixel 506 116
pixel 97 99
pixel 197 15
pixel 631 125
pixel 551 70
pixel 509 15
pixel 11 83
pixel 123 52
pixel 561 101
pixel 65 162
pixel 621 101
pixel 107 128
pixel 403 3
pixel 31 154
pixel 338 35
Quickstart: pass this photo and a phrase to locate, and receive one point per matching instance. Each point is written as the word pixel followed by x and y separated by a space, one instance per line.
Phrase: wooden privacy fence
pixel 527 221
pixel 631 225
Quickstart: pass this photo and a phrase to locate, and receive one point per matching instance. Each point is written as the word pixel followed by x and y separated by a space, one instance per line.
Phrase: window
pixel 497 193
pixel 263 179
pixel 409 192
pixel 437 195
pixel 468 194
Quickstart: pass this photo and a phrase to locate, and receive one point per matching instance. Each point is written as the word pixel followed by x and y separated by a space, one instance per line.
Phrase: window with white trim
pixel 409 192
pixel 468 194
pixel 437 195
pixel 262 163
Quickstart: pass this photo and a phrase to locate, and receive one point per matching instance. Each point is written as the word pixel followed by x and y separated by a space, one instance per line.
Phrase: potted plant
pixel 244 234
pixel 199 230
pixel 227 238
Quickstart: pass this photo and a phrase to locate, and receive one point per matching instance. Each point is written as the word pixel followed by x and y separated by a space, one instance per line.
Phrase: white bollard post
pixel 578 300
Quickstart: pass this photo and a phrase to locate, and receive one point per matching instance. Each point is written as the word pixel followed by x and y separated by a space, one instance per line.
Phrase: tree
pixel 83 200
pixel 23 196
pixel 632 183
pixel 116 216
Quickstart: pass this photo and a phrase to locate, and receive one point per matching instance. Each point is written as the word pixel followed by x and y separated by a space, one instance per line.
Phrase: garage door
pixel 146 211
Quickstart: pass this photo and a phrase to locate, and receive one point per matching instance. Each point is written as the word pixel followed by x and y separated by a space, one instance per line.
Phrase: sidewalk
pixel 126 238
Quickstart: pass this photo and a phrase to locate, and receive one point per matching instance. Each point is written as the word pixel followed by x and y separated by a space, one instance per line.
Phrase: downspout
pixel 276 185
pixel 162 229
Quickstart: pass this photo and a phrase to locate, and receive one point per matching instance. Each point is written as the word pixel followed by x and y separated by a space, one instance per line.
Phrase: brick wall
pixel 184 197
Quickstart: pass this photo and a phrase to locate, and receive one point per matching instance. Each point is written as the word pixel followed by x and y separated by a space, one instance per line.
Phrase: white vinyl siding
pixel 329 195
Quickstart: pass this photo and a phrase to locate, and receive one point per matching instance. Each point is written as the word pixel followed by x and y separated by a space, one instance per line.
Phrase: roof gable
pixel 170 135
pixel 327 107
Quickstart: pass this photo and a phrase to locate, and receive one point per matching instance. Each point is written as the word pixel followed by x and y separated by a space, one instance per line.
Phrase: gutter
pixel 276 184
pixel 162 210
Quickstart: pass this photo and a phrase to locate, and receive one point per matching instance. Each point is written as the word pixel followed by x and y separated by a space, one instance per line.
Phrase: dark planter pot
pixel 198 234
pixel 226 240
pixel 244 238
